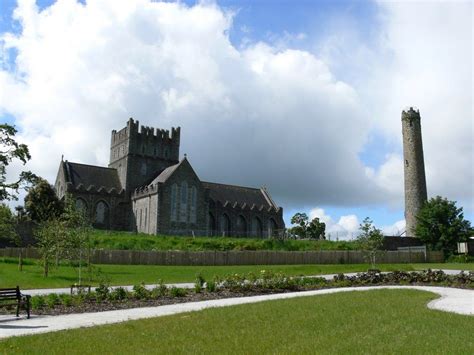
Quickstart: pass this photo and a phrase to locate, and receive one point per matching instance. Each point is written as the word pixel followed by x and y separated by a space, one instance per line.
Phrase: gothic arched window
pixel 256 227
pixel 174 201
pixel 101 213
pixel 183 208
pixel 193 208
pixel 225 224
pixel 81 205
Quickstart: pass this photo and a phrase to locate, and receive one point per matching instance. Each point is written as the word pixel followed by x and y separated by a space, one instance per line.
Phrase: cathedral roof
pixel 240 194
pixel 89 175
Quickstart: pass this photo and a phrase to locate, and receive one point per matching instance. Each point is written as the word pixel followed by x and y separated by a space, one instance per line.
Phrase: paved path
pixel 451 300
pixel 47 291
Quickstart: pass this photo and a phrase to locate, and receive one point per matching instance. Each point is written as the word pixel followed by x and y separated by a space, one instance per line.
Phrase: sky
pixel 303 97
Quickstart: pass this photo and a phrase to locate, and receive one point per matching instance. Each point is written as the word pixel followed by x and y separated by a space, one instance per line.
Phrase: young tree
pixel 41 202
pixel 11 150
pixel 78 230
pixel 370 240
pixel 50 235
pixel 441 225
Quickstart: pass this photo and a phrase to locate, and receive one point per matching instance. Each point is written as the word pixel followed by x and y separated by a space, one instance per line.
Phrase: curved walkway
pixel 452 300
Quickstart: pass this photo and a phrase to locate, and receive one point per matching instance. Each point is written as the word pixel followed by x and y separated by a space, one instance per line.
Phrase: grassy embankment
pixel 370 322
pixel 64 276
pixel 138 241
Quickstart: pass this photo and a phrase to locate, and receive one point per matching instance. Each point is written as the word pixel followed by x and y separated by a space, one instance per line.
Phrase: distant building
pixel 146 188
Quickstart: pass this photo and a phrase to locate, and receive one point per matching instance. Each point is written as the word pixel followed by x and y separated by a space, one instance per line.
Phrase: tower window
pixel 406 162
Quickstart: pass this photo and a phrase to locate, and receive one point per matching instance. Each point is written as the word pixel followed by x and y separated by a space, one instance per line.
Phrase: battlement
pixel 134 130
pixel 410 114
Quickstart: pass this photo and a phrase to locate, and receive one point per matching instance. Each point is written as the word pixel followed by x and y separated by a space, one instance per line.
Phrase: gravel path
pixel 452 300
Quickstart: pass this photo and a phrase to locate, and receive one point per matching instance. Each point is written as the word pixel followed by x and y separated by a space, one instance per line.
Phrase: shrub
pixel 66 300
pixel 52 299
pixel 160 290
pixel 177 292
pixel 199 283
pixel 140 292
pixel 211 286
pixel 118 294
pixel 37 302
pixel 102 292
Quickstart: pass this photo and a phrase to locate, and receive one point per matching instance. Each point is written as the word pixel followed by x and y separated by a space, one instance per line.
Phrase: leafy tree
pixel 304 228
pixel 78 230
pixel 441 225
pixel 301 221
pixel 41 202
pixel 11 150
pixel 7 224
pixel 50 235
pixel 316 229
pixel 370 240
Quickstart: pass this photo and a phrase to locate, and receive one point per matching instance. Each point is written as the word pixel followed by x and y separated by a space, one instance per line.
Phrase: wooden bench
pixel 17 299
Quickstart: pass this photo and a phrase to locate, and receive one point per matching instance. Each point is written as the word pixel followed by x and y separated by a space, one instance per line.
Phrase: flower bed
pixel 237 285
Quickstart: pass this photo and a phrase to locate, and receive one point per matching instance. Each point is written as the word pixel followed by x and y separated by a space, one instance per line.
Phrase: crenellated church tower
pixel 139 154
pixel 415 180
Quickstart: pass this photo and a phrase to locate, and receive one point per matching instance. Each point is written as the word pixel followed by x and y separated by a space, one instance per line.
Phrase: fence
pixel 136 257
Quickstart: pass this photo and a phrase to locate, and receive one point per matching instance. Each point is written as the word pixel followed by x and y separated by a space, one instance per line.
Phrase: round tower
pixel 415 181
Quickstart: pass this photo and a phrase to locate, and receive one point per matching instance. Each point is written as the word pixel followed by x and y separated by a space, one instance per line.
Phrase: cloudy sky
pixel 303 97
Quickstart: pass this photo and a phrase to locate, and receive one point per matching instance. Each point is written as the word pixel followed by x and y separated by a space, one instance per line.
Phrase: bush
pixel 211 286
pixel 199 283
pixel 66 300
pixel 140 292
pixel 118 294
pixel 37 302
pixel 52 299
pixel 160 290
pixel 177 292
pixel 102 292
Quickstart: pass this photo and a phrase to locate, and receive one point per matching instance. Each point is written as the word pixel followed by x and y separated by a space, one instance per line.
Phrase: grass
pixel 369 322
pixel 102 239
pixel 65 276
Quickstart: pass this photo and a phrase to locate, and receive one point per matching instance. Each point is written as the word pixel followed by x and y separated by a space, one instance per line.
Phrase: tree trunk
pixel 20 260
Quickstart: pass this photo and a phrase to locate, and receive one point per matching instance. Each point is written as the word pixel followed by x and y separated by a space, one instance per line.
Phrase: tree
pixel 304 228
pixel 301 221
pixel 11 150
pixel 7 224
pixel 441 225
pixel 370 240
pixel 78 229
pixel 50 234
pixel 316 229
pixel 41 202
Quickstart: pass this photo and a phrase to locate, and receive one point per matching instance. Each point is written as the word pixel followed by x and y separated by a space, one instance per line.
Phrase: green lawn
pixel 115 240
pixel 64 276
pixel 370 322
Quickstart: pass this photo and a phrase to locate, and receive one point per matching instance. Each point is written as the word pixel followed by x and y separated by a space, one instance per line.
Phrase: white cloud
pixel 344 229
pixel 395 229
pixel 258 115
pixel 429 66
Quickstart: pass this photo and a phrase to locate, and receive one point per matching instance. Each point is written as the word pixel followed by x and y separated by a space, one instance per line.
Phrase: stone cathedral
pixel 146 188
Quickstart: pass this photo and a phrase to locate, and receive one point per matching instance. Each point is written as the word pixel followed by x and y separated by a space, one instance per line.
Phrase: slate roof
pixel 88 175
pixel 165 174
pixel 239 194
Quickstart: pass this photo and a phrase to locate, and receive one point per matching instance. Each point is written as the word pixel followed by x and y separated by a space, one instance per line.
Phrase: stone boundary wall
pixel 136 257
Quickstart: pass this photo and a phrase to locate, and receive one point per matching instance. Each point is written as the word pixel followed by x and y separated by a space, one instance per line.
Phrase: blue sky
pixel 347 37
